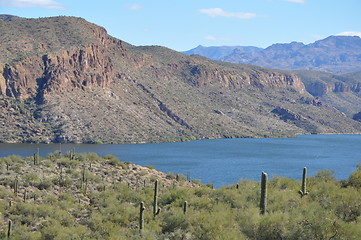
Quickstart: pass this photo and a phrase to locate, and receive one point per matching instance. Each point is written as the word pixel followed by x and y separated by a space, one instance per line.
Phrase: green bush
pixel 355 178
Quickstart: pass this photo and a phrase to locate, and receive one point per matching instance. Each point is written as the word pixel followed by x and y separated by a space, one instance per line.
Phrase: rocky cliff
pixel 66 80
pixel 59 72
pixel 323 88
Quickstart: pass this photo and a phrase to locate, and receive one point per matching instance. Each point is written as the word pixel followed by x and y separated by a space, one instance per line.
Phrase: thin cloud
pixel 296 1
pixel 134 7
pixel 214 38
pixel 349 34
pixel 32 3
pixel 218 12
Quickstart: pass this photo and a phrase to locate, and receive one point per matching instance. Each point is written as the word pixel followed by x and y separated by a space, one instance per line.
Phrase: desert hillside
pixel 66 80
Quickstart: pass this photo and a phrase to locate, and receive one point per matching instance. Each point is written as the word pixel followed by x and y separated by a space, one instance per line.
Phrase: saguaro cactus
pixel 185 205
pixel 35 159
pixel 83 174
pixel 9 228
pixel 25 195
pixel 61 175
pixel 156 209
pixel 303 191
pixel 141 216
pixel 16 185
pixel 263 203
pixel 72 154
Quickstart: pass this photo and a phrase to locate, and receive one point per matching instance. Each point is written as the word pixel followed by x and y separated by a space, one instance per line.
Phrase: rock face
pixel 235 79
pixel 357 117
pixel 286 114
pixel 320 89
pixel 61 72
pixel 66 80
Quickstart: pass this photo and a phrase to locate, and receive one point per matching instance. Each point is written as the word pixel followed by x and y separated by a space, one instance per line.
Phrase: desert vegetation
pixel 85 196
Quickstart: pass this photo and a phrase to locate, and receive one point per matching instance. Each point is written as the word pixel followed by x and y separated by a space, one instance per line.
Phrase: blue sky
pixel 182 25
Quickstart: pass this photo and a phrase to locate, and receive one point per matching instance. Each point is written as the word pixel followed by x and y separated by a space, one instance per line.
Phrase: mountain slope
pixel 336 54
pixel 218 53
pixel 341 91
pixel 66 80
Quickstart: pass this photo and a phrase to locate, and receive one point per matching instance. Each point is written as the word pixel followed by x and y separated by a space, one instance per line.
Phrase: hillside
pixel 341 91
pixel 84 196
pixel 66 80
pixel 335 54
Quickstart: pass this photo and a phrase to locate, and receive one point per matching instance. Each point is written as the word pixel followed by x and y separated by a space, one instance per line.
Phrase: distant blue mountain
pixel 336 54
pixel 218 53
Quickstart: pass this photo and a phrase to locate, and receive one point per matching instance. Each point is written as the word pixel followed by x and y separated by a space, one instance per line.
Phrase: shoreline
pixel 196 139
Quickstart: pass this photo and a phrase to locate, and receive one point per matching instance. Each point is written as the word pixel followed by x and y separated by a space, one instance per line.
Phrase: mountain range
pixel 63 79
pixel 335 54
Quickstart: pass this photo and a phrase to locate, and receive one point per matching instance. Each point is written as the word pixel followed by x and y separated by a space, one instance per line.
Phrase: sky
pixel 185 24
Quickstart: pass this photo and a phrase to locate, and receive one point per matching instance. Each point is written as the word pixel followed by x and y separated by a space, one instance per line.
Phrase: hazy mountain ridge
pixel 66 80
pixel 218 53
pixel 336 54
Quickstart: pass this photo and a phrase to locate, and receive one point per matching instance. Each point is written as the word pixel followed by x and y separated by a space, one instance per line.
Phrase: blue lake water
pixel 225 161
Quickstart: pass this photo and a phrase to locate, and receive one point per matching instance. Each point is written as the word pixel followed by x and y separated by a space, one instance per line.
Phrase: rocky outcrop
pixel 323 88
pixel 236 79
pixel 61 72
pixel 286 114
pixel 357 117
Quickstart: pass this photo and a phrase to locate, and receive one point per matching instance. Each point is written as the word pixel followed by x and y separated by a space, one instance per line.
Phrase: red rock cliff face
pixel 319 89
pixel 62 71
pixel 235 79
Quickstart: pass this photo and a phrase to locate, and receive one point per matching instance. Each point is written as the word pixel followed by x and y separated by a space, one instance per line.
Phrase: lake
pixel 225 161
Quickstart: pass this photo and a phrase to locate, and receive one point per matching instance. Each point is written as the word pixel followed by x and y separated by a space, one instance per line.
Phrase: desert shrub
pixel 68 163
pixel 64 218
pixel 171 196
pixel 44 184
pixel 23 232
pixel 351 231
pixel 110 157
pixel 196 181
pixel 174 220
pixel 54 155
pixel 15 159
pixel 284 183
pixel 273 226
pixel 17 167
pixel 91 177
pixel 170 175
pixel 216 224
pixel 114 161
pixel 66 182
pixel 347 204
pixel 325 176
pixel 56 231
pixel 150 167
pixel 181 178
pixel 7 182
pixel 91 157
pixel 355 179
pixel 31 179
pixel 248 220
